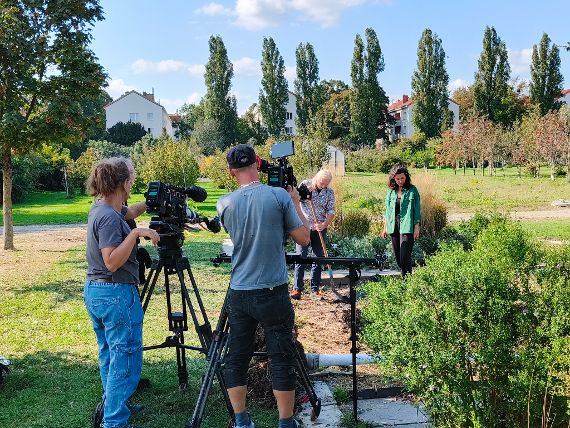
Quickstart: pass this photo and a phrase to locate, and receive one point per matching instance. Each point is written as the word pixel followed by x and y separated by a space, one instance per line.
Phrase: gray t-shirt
pixel 258 219
pixel 108 228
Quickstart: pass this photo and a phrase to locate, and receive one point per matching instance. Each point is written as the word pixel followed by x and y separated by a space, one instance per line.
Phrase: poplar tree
pixel 273 94
pixel 218 104
pixel 48 75
pixel 545 77
pixel 307 89
pixel 429 87
pixel 368 101
pixel 491 85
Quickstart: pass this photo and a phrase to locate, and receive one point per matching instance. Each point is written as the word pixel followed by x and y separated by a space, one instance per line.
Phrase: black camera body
pixel 280 173
pixel 168 205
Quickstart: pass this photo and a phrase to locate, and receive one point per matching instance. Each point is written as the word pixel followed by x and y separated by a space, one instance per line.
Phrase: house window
pixel 149 116
pixel 397 116
pixel 150 130
pixel 288 130
pixel 289 116
pixel 133 117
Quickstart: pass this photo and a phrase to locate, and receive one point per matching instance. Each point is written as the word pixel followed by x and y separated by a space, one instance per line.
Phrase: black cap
pixel 240 156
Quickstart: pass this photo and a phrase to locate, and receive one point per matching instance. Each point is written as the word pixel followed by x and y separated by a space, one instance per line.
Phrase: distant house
pixel 565 96
pixel 291 114
pixel 402 110
pixel 143 109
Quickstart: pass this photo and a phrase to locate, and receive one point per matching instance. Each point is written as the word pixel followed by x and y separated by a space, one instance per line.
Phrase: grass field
pixel 56 208
pixel 468 193
pixel 45 331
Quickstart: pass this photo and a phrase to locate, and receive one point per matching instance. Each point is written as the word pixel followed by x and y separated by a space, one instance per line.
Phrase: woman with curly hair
pixel 402 216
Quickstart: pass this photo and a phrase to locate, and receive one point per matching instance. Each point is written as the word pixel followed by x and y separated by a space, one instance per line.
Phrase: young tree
pixel 492 77
pixel 125 134
pixel 190 115
pixel 466 100
pixel 545 77
pixel 47 71
pixel 218 104
pixel 368 103
pixel 429 86
pixel 551 140
pixel 273 96
pixel 309 92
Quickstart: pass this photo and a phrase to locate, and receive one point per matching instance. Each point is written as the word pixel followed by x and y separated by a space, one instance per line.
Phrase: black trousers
pixel 402 244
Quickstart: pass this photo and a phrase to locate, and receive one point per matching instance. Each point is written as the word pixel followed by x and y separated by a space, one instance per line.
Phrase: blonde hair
pixel 324 174
pixel 108 175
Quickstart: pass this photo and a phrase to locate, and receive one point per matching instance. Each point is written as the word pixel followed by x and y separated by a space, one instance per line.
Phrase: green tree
pixel 309 92
pixel 249 126
pixel 125 134
pixel 218 105
pixel 492 77
pixel 545 77
pixel 47 71
pixel 465 98
pixel 429 86
pixel 368 104
pixel 209 136
pixel 333 86
pixel 273 96
pixel 190 115
pixel 332 121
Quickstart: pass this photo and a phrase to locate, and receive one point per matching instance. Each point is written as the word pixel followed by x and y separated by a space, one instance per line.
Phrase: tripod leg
pixel 181 363
pixel 151 279
pixel 307 385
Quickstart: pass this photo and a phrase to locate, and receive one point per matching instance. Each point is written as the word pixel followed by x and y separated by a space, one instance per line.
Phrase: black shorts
pixel 272 308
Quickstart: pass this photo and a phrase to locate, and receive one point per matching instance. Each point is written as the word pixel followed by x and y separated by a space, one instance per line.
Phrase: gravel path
pixel 559 213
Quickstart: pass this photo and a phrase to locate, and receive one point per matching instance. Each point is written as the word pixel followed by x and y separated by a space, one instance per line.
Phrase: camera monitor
pixel 281 150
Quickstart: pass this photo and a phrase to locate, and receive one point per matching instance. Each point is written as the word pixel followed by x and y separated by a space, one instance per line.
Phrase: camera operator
pixel 111 294
pixel 258 219
pixel 319 209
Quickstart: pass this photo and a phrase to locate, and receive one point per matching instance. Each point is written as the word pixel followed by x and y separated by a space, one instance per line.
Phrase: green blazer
pixel 410 212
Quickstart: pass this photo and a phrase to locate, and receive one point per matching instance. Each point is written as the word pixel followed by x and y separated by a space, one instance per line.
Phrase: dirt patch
pixel 36 251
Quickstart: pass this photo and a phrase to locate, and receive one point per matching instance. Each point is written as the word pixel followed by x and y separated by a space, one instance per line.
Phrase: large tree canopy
pixel 545 76
pixel 273 95
pixel 47 71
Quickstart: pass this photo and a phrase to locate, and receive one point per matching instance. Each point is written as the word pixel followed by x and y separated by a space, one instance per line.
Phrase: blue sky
pixel 146 44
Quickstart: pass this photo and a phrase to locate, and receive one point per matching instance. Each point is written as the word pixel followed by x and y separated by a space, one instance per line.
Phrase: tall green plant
pixel 48 73
pixel 545 76
pixel 273 94
pixel 492 77
pixel 429 86
pixel 309 92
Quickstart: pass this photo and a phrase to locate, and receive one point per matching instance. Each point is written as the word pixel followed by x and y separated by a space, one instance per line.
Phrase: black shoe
pixel 97 416
pixel 144 383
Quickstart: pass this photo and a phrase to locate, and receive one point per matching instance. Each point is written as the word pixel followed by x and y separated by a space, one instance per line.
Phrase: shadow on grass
pixel 61 389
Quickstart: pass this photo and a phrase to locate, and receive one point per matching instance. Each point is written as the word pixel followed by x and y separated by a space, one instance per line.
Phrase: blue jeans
pixel 316 269
pixel 116 313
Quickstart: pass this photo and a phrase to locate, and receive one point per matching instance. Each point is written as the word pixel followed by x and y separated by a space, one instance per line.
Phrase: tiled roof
pixel 564 92
pixel 134 92
pixel 400 104
pixel 175 118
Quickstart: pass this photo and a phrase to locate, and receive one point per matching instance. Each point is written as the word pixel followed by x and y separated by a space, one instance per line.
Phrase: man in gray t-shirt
pixel 258 219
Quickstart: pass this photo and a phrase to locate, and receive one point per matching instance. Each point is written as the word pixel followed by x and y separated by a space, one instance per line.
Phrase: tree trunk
pixel 552 171
pixel 7 199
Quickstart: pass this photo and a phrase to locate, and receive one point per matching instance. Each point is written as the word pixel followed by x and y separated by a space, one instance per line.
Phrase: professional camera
pixel 281 174
pixel 172 215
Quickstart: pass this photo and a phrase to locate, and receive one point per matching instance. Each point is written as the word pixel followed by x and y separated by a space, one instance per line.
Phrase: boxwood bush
pixel 482 337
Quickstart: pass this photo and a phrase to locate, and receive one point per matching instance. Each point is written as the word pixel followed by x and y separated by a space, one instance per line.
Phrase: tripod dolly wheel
pixel 316 411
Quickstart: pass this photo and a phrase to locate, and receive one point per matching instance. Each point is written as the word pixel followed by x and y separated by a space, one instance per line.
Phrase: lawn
pixel 468 193
pixel 45 332
pixel 56 208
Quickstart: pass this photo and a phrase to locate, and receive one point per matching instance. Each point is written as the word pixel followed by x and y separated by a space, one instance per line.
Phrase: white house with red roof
pixel 402 110
pixel 141 108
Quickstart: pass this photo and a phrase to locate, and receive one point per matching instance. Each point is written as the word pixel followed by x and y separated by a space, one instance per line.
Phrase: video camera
pixel 172 215
pixel 281 173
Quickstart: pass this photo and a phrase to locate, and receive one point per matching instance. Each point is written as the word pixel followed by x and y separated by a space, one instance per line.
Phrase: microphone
pixel 197 193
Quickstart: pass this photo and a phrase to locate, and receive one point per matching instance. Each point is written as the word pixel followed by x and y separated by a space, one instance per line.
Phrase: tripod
pixel 171 261
pixel 216 355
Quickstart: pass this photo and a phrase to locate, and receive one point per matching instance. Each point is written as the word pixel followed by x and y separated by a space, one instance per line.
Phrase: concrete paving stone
pixel 392 412
pixel 330 413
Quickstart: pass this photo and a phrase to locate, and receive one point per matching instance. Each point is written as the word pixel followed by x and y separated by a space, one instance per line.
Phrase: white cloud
pixel 142 66
pixel 247 66
pixel 290 73
pixel 260 14
pixel 118 87
pixel 213 9
pixel 520 61
pixel 457 83
pixel 173 104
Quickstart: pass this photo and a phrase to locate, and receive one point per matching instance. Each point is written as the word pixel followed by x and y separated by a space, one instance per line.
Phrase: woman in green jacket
pixel 402 217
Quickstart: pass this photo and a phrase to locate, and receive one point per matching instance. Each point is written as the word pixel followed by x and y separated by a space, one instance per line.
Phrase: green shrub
pixel 169 161
pixel 215 167
pixel 366 246
pixel 351 223
pixel 79 170
pixel 26 170
pixel 481 336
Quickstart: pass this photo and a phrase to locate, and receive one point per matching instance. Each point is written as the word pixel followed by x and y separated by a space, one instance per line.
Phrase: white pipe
pixel 315 361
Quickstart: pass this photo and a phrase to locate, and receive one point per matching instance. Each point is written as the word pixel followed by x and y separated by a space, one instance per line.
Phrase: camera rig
pixel 171 215
pixel 280 173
